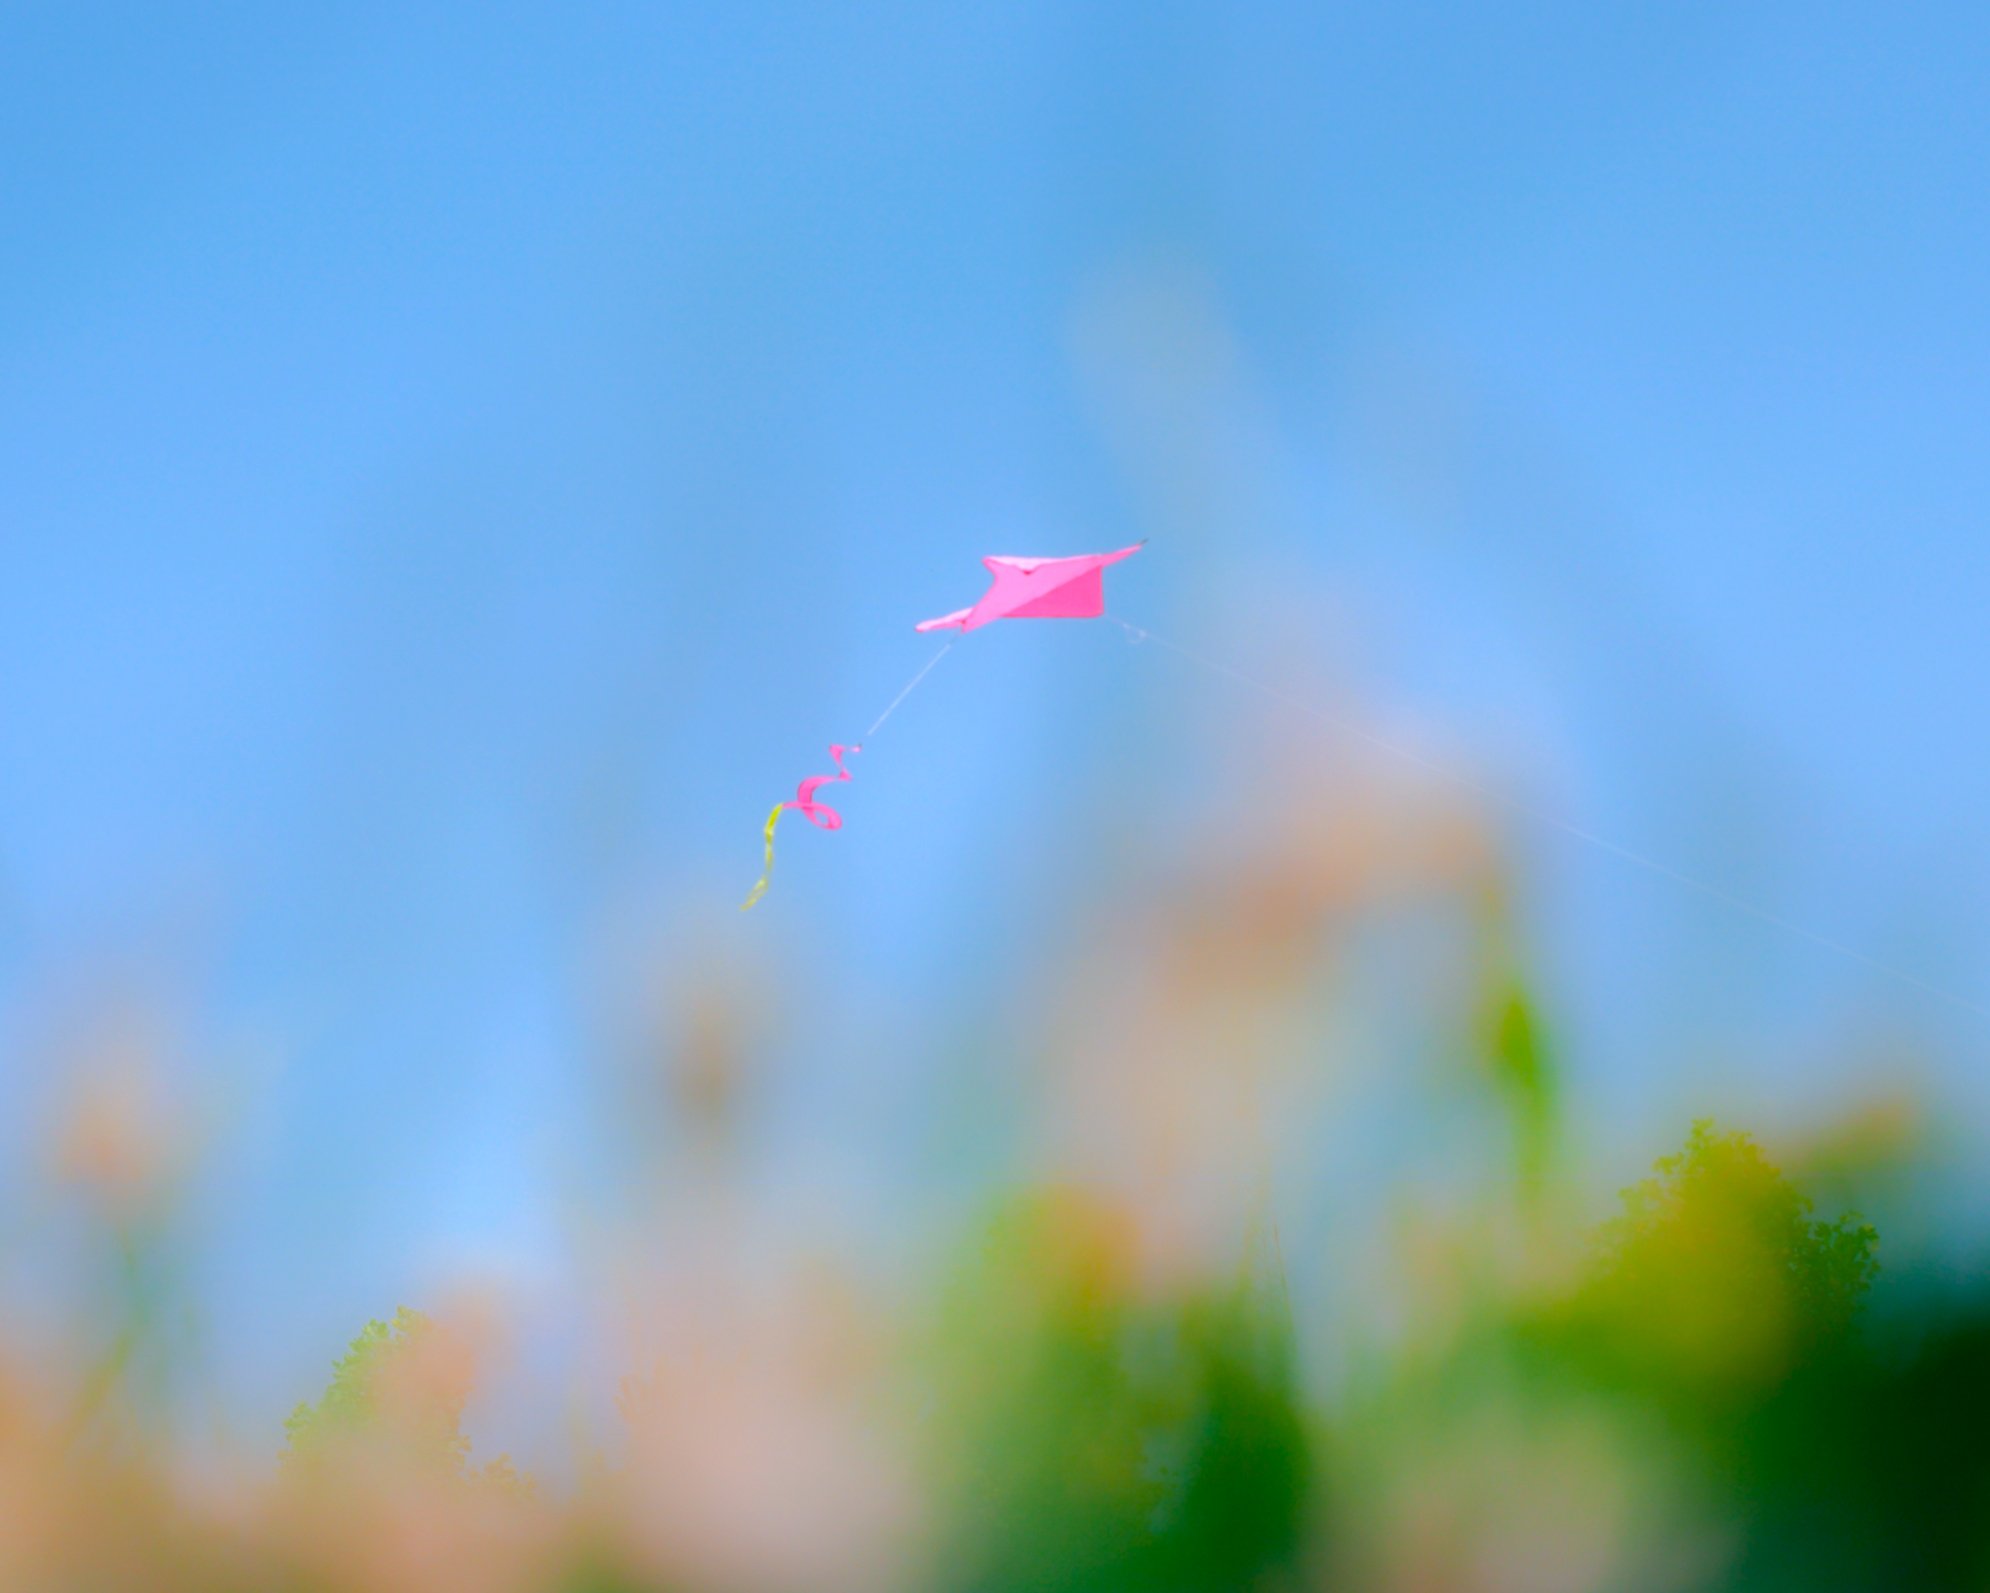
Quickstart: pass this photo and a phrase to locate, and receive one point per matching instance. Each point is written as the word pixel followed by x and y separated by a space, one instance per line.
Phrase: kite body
pixel 1072 588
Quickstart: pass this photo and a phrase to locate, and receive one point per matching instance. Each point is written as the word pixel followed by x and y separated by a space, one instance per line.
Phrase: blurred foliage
pixel 353 1403
pixel 401 1385
pixel 1715 1281
pixel 1148 1444
pixel 1714 1388
pixel 1523 1070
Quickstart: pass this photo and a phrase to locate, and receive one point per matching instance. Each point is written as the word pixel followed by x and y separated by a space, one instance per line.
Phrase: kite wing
pixel 1072 588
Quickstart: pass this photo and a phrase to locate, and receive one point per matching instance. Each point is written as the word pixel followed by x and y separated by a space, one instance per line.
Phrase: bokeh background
pixel 459 464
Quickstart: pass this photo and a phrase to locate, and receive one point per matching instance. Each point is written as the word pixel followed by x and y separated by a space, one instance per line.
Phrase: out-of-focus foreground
pixel 1131 1369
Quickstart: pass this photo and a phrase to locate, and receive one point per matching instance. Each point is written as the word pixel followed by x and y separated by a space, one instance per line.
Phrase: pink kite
pixel 1072 588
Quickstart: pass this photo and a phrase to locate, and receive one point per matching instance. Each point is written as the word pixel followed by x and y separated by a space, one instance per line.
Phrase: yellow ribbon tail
pixel 760 889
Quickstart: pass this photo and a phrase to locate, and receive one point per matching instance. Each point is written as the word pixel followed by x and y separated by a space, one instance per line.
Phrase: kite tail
pixel 820 814
pixel 766 874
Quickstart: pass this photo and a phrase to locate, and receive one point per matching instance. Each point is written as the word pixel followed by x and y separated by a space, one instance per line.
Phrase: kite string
pixel 1542 815
pixel 906 691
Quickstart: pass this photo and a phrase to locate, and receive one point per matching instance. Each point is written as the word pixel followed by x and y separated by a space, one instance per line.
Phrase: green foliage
pixel 401 1385
pixel 1510 1040
pixel 1095 1431
pixel 1673 1399
pixel 1242 1482
pixel 1726 1177
pixel 1716 1275
pixel 365 1398
pixel 1516 1046
pixel 1111 1443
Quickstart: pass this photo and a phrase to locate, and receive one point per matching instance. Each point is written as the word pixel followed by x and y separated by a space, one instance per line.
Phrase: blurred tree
pixel 1716 1281
pixel 1868 1469
pixel 400 1386
pixel 1718 1304
pixel 1615 1432
pixel 368 1396
pixel 1110 1443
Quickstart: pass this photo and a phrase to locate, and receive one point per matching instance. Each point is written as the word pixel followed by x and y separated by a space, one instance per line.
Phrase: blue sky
pixel 459 463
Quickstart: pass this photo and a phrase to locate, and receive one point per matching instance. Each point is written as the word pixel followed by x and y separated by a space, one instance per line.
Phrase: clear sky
pixel 459 463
